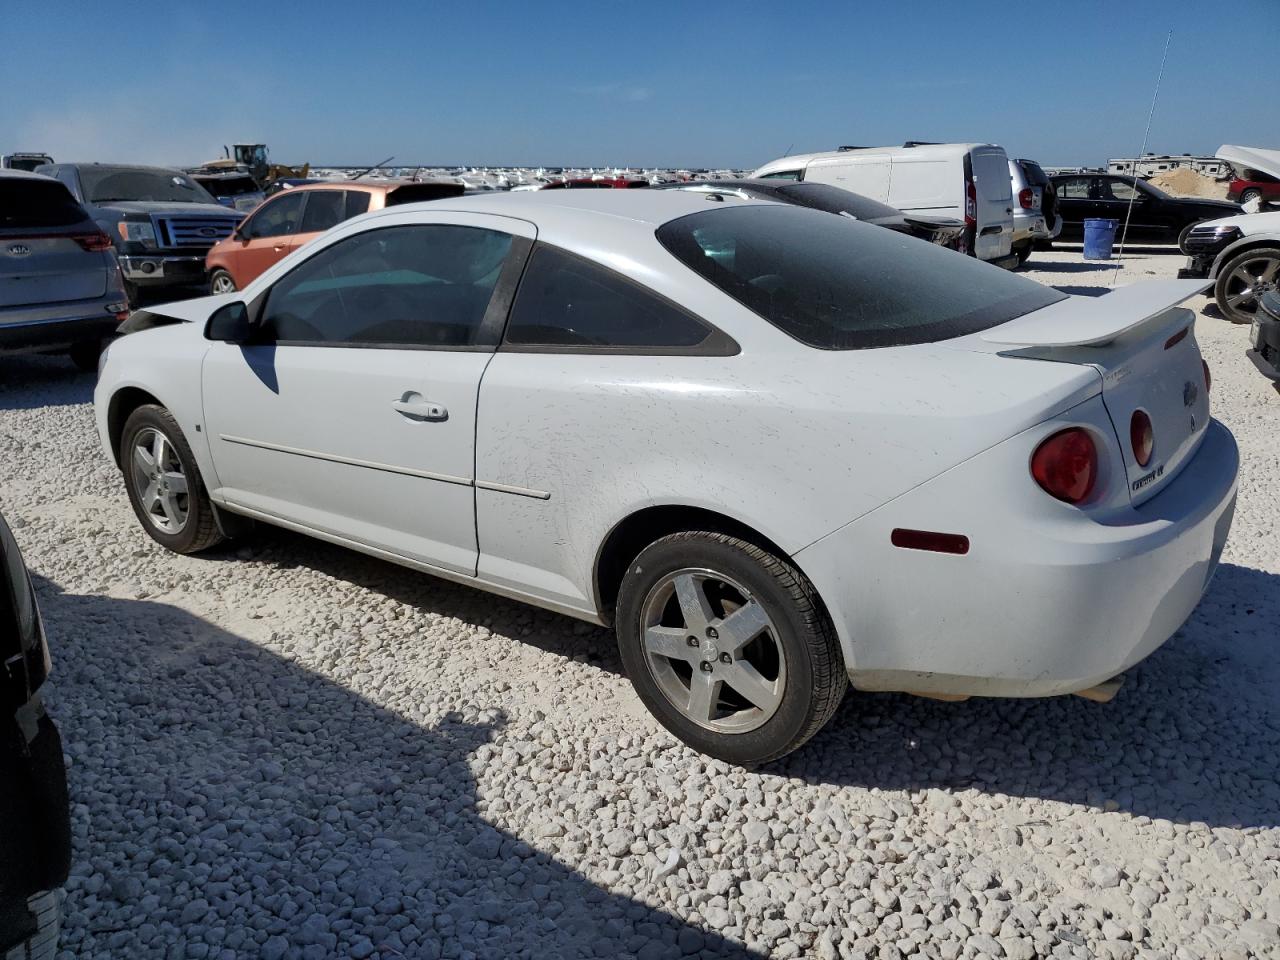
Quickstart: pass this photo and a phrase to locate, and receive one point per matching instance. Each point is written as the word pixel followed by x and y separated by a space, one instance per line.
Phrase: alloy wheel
pixel 222 283
pixel 160 481
pixel 713 650
pixel 1249 281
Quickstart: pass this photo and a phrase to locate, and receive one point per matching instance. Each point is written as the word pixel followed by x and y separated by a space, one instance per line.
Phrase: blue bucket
pixel 1099 238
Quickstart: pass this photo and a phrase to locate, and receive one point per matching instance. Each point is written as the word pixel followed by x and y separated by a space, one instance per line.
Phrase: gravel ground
pixel 289 750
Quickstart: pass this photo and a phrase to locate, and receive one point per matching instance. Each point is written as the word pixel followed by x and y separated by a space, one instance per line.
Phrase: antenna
pixel 1141 153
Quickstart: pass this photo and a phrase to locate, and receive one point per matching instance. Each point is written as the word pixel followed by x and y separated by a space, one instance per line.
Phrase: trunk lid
pixel 1145 350
pixel 50 266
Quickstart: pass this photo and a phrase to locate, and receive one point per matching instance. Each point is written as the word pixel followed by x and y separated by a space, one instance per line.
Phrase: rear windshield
pixel 104 184
pixel 837 284
pixel 230 186
pixel 831 199
pixel 37 203
pixel 418 192
pixel 1034 173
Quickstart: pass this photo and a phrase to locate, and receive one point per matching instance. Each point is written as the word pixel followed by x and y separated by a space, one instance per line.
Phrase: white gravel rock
pixel 286 750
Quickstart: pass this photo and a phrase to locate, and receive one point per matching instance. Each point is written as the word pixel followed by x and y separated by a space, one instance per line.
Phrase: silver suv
pixel 1035 216
pixel 60 287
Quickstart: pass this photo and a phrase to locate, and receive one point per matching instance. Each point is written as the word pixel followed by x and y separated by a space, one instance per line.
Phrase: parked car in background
pixel 944 231
pixel 35 816
pixel 1035 212
pixel 965 181
pixel 285 222
pixel 1152 214
pixel 774 449
pixel 1256 173
pixel 593 183
pixel 239 191
pixel 1241 255
pixel 60 287
pixel 23 161
pixel 161 221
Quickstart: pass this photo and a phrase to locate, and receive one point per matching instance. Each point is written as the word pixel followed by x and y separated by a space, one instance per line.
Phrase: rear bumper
pixel 163 270
pixel 1047 601
pixel 59 325
pixel 1197 268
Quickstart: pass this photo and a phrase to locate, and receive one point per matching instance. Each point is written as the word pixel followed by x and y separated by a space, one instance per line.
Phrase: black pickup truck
pixel 35 818
pixel 161 221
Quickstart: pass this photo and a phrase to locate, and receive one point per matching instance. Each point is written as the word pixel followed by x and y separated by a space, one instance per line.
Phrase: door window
pixel 325 208
pixel 278 218
pixel 1119 190
pixel 1077 188
pixel 565 301
pixel 357 203
pixel 426 285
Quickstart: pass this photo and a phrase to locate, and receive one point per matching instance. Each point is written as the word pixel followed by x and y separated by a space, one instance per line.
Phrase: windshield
pixel 836 284
pixel 831 199
pixel 37 203
pixel 104 184
pixel 1148 187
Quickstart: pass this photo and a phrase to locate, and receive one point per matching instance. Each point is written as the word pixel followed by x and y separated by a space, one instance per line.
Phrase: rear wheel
pixel 1251 194
pixel 1023 252
pixel 1244 279
pixel 164 483
pixel 221 282
pixel 728 646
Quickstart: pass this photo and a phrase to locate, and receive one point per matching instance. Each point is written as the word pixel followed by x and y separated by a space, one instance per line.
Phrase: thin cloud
pixel 617 92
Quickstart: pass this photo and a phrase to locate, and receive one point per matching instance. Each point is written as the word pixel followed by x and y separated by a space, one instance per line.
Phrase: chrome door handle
pixel 414 407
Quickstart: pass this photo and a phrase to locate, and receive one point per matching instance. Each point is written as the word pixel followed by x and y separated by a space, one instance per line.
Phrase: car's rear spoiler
pixel 1090 321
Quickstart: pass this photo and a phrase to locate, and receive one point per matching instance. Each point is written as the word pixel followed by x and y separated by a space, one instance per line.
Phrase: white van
pixel 961 180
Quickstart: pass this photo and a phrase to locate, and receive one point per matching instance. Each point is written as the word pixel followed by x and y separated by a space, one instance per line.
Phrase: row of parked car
pixel 170 235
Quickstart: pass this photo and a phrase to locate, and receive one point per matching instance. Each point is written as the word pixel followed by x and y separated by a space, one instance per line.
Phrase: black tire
pixel 1251 194
pixel 85 355
pixel 132 294
pixel 1227 286
pixel 1023 253
pixel 220 276
pixel 200 529
pixel 815 677
pixel 45 911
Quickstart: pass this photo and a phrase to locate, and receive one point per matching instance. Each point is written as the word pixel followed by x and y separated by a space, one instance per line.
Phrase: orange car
pixel 281 224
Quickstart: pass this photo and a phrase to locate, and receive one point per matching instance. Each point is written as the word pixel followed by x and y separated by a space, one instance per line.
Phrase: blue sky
pixel 645 82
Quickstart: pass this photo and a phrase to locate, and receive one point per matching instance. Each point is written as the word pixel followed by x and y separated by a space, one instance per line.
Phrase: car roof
pixel 365 186
pixel 122 166
pixel 650 207
pixel 24 175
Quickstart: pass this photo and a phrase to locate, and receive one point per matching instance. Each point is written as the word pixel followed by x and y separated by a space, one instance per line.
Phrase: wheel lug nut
pixel 713 633
pixel 706 666
pixel 725 658
pixel 692 641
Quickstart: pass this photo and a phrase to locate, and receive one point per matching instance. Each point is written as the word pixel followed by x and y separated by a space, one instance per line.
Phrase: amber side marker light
pixel 929 540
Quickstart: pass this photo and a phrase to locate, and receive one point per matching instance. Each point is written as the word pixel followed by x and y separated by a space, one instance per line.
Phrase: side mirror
pixel 230 324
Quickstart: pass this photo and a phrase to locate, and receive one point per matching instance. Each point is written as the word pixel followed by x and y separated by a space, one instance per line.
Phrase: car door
pixel 1074 203
pixel 266 237
pixel 352 411
pixel 1119 200
pixel 324 209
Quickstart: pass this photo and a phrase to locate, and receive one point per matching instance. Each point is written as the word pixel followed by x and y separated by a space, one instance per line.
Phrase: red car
pixel 1254 183
pixel 587 183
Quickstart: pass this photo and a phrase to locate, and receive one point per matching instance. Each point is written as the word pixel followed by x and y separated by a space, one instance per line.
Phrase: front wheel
pixel 1243 281
pixel 221 282
pixel 728 646
pixel 164 483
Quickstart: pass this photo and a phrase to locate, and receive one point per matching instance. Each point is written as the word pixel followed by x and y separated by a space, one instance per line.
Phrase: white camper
pixel 961 180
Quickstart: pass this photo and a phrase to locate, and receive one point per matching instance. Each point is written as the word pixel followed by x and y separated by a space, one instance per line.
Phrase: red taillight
pixel 1208 380
pixel 971 204
pixel 93 242
pixel 1141 437
pixel 1066 465
pixel 1026 198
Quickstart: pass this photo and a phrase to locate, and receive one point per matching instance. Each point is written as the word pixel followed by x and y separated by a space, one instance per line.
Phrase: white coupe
pixel 778 450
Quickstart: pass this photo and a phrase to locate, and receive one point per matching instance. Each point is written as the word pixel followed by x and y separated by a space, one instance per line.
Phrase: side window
pixel 357 203
pixel 277 218
pixel 67 176
pixel 426 285
pixel 566 301
pixel 1119 190
pixel 782 175
pixel 1077 188
pixel 325 208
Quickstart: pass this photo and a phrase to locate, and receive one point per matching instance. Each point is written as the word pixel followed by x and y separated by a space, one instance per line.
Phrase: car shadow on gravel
pixel 228 797
pixel 31 381
pixel 1194 735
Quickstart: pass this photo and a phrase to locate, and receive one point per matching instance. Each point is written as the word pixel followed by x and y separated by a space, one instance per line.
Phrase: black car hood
pixel 1217 208
pixel 155 206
